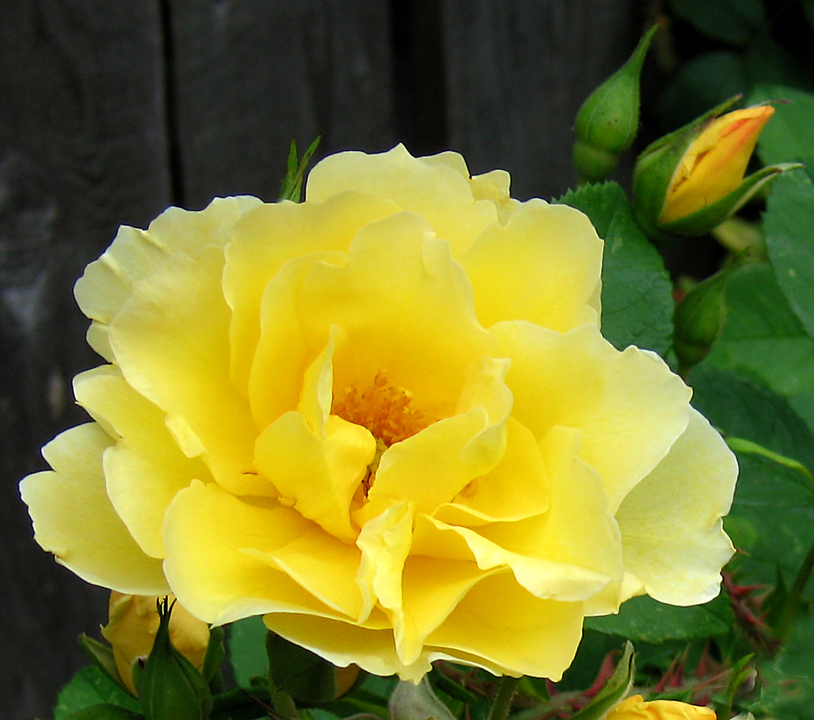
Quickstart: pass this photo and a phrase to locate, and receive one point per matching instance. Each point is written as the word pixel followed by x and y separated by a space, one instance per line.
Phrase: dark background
pixel 109 112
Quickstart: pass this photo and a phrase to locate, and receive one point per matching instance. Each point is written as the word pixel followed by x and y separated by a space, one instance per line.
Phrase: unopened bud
pixel 608 120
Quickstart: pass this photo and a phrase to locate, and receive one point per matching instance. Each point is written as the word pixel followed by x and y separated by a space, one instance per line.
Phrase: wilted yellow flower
pixel 715 162
pixel 132 628
pixel 386 420
pixel 634 708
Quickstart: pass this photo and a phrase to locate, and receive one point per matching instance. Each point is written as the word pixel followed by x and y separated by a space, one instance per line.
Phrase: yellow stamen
pixel 387 411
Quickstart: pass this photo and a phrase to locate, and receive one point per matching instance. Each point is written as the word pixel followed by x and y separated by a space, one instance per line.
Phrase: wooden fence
pixel 110 111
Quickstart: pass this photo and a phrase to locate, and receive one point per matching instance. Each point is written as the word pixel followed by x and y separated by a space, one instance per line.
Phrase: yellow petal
pixel 343 643
pixel 432 589
pixel 672 534
pixel 317 472
pixel 171 341
pixel 406 307
pixel 135 254
pixel 215 556
pixel 432 467
pixel 73 517
pixel 516 488
pixel 323 565
pixel 385 543
pixel 577 531
pixel 628 405
pixel 145 468
pixel 543 266
pixel 502 627
pixel 270 236
pixel 283 353
pixel 436 191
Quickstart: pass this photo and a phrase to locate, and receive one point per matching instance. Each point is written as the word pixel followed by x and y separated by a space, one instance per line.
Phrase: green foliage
pixel 731 21
pixel 643 619
pixel 247 650
pixel 92 686
pixel 637 304
pixel 772 518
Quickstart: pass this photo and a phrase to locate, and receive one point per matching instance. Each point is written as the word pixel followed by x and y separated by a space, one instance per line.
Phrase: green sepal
pixel 170 688
pixel 657 164
pixel 291 188
pixel 417 702
pixel 104 711
pixel 608 120
pixel 614 690
pixel 102 657
pixel 712 215
pixel 215 652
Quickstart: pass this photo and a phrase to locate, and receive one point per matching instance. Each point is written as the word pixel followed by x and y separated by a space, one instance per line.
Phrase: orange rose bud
pixel 690 181
pixel 715 162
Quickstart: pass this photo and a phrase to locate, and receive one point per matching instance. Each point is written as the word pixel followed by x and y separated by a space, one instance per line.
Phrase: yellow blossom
pixel 634 708
pixel 386 420
pixel 132 628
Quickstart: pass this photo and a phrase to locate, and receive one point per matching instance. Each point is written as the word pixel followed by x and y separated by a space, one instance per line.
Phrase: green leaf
pixel 643 619
pixel 104 711
pixel 731 21
pixel 763 338
pixel 247 650
pixel 91 686
pixel 637 304
pixel 787 681
pixel 789 223
pixel 772 517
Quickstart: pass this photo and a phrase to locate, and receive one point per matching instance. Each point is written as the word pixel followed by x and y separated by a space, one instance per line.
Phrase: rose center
pixel 384 409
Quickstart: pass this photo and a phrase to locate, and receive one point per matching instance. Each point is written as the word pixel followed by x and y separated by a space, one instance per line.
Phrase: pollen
pixel 387 411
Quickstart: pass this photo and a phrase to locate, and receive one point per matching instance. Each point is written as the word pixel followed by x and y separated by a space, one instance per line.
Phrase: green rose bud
pixel 170 687
pixel 608 120
pixel 699 320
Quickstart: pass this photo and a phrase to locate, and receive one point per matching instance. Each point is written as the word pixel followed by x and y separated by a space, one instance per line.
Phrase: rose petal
pixel 73 517
pixel 270 236
pixel 406 308
pixel 169 341
pixel 628 405
pixel 333 462
pixel 135 254
pixel 543 266
pixel 208 532
pixel 144 469
pixel 672 534
pixel 501 626
pixel 435 191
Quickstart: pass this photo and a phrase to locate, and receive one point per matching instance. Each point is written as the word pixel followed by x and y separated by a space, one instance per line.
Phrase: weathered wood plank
pixel 517 73
pixel 82 150
pixel 249 75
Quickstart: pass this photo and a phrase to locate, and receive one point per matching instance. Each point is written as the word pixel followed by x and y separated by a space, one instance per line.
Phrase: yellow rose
pixel 132 628
pixel 634 708
pixel 386 420
pixel 715 162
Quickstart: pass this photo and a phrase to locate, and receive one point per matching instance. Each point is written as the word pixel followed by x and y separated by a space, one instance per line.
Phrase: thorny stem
pixel 503 701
